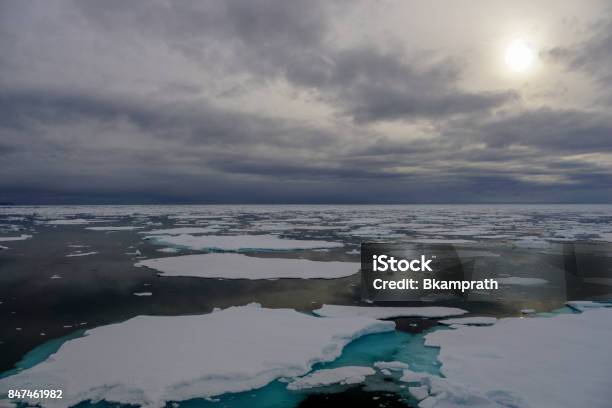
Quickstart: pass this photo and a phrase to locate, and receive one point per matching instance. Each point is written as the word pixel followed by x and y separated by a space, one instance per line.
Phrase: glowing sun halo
pixel 520 56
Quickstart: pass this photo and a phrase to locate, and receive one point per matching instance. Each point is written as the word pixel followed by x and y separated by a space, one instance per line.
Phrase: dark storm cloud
pixel 290 39
pixel 594 54
pixel 552 130
pixel 194 123
pixel 374 85
pixel 118 101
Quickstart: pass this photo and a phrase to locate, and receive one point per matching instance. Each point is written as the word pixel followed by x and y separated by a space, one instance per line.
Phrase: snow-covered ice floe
pixel 81 254
pixel 73 221
pixel 149 360
pixel 169 250
pixel 18 238
pixel 391 365
pixel 239 266
pixel 520 281
pixel 388 312
pixel 182 230
pixel 347 375
pixel 122 228
pixel 584 305
pixel 471 321
pixel 241 242
pixel 558 362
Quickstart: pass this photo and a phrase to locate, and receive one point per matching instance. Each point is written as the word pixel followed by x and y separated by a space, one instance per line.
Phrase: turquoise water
pixel 41 353
pixel 365 351
pixel 557 312
pixel 390 346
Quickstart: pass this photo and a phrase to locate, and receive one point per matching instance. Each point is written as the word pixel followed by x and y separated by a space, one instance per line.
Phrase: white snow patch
pixel 168 250
pixel 472 321
pixel 81 254
pixel 19 238
pixel 149 360
pixel 332 376
pixel 520 281
pixel 242 242
pixel 124 228
pixel 440 392
pixel 558 362
pixel 388 312
pixel 142 294
pixel 584 305
pixel 74 221
pixel 391 365
pixel 239 266
pixel 182 230
pixel 419 393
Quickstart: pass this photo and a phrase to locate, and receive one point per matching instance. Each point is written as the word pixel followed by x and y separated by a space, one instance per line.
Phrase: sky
pixel 275 101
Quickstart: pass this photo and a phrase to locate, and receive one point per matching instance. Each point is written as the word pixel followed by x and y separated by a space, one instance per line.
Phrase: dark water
pixel 99 289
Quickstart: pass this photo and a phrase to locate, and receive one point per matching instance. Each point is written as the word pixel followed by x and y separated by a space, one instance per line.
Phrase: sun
pixel 520 56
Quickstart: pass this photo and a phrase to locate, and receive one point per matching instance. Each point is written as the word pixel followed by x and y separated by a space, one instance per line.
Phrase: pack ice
pixel 149 360
pixel 239 266
pixel 241 242
pixel 557 362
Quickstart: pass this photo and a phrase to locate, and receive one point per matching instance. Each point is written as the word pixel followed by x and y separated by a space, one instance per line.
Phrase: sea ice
pixel 149 360
pixel 562 361
pixel 19 238
pixel 584 305
pixel 182 230
pixel 241 242
pixel 332 376
pixel 124 228
pixel 472 321
pixel 391 365
pixel 168 250
pixel 239 266
pixel 419 393
pixel 81 254
pixel 74 221
pixel 520 281
pixel 388 312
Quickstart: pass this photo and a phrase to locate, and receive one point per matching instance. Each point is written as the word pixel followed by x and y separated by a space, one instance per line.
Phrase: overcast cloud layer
pixel 303 101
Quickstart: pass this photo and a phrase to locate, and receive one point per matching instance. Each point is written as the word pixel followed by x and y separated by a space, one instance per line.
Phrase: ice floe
pixel 74 221
pixel 520 281
pixel 584 305
pixel 332 376
pixel 149 360
pixel 81 254
pixel 182 230
pixel 472 321
pixel 388 312
pixel 558 362
pixel 391 365
pixel 241 242
pixel 169 250
pixel 239 266
pixel 19 238
pixel 420 392
pixel 118 228
pixel 439 392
